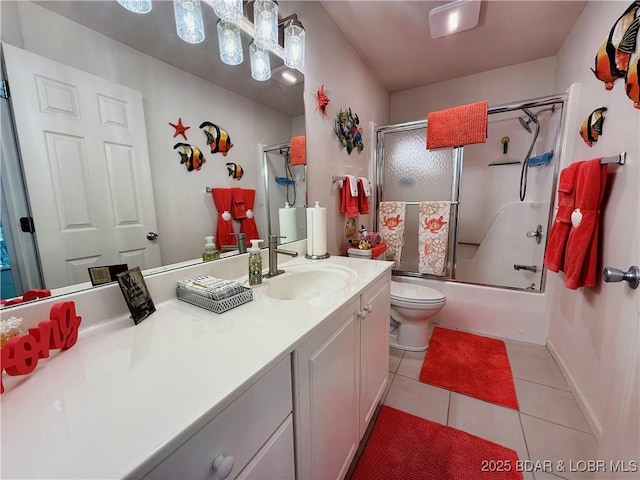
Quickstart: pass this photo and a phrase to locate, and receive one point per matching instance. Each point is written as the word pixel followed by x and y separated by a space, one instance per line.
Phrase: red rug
pixel 470 364
pixel 405 447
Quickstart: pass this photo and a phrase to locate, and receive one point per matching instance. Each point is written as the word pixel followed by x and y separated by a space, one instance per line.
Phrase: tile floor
pixel 548 429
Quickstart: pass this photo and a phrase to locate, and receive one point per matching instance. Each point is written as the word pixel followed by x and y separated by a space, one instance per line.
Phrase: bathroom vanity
pixel 271 389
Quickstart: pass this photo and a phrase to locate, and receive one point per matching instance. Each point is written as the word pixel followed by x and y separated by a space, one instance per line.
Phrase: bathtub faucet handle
pixel 537 234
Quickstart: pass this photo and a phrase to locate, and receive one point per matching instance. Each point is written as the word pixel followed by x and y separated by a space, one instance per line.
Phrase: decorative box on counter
pixel 213 293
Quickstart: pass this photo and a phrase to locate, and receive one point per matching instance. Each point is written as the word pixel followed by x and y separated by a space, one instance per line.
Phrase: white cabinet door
pixel 374 348
pixel 327 408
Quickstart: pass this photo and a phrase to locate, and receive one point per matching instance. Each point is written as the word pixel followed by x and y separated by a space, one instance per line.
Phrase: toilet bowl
pixel 411 308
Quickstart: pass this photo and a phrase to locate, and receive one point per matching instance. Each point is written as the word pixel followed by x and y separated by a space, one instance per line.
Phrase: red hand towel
pixel 222 200
pixel 298 150
pixel 554 256
pixel 580 263
pixel 238 210
pixel 378 250
pixel 349 203
pixel 363 198
pixel 248 224
pixel 457 126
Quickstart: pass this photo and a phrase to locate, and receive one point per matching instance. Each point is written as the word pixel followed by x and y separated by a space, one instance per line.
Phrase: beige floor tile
pixel 411 364
pixel 395 355
pixel 550 404
pixel 563 446
pixel 492 422
pixel 535 364
pixel 418 399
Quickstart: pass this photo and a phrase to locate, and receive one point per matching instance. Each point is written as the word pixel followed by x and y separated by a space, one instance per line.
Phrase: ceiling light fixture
pixel 260 63
pixel 454 17
pixel 294 44
pixel 228 10
pixel 136 6
pixel 265 19
pixel 230 43
pixel 189 23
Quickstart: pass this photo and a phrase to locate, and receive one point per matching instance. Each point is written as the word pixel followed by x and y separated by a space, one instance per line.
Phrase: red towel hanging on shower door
pixel 224 229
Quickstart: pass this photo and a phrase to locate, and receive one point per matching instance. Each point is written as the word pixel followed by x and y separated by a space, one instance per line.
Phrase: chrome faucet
pixel 273 255
pixel 241 246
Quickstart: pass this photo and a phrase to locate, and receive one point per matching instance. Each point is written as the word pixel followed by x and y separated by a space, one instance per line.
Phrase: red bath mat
pixel 405 447
pixel 470 364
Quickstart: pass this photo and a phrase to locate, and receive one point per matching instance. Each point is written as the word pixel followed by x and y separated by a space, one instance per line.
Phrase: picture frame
pixel 135 293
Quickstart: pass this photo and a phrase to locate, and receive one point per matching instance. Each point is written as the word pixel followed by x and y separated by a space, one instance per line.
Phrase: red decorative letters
pixel 20 354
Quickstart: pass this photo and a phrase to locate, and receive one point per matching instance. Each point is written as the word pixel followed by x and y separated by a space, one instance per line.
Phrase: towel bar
pixel 620 159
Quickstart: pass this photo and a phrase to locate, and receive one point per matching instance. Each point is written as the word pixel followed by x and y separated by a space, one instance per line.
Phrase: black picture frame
pixel 135 293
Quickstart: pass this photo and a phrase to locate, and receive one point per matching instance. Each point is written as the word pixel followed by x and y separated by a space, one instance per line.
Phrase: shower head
pixel 525 123
pixel 533 117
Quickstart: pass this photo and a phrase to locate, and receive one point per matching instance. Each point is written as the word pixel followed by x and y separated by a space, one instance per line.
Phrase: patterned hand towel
pixel 391 221
pixel 433 236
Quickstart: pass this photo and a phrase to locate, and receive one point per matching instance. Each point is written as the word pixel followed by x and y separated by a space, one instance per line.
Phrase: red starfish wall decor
pixel 180 129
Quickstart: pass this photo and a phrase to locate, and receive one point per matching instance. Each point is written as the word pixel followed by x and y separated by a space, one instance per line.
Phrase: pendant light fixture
pixel 265 18
pixel 294 44
pixel 228 10
pixel 230 43
pixel 189 23
pixel 136 6
pixel 260 63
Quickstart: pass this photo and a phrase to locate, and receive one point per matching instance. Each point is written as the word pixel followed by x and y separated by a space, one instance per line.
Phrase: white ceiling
pixel 393 37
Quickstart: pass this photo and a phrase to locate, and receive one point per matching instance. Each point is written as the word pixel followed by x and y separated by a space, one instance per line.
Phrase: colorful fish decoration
pixel 191 156
pixel 632 82
pixel 235 171
pixel 591 128
pixel 323 100
pixel 612 59
pixel 217 138
pixel 348 132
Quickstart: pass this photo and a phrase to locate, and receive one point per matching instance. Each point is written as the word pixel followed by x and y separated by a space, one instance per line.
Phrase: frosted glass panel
pixel 413 173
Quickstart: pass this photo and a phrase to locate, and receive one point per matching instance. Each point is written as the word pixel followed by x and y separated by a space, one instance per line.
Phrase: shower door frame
pixel 561 98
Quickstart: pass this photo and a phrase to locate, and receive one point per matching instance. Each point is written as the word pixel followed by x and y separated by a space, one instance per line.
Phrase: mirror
pixel 176 81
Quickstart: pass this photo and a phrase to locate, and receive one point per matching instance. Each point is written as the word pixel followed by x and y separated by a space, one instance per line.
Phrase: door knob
pixel 222 465
pixel 631 276
pixel 152 236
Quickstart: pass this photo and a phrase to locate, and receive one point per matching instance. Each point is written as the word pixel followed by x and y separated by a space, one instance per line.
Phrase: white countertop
pixel 125 396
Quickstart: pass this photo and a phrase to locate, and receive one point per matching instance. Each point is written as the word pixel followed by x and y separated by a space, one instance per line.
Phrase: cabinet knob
pixel 368 307
pixel 362 314
pixel 222 465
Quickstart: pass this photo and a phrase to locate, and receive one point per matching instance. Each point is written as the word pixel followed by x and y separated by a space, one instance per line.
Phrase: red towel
pixel 238 210
pixel 224 228
pixel 581 255
pixel 378 250
pixel 457 126
pixel 248 224
pixel 554 256
pixel 349 203
pixel 363 195
pixel 298 150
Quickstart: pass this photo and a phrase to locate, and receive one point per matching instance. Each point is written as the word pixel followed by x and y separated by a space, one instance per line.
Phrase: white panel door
pixel 86 163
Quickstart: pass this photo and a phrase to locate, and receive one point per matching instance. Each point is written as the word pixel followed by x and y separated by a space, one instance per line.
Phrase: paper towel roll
pixel 317 230
pixel 288 227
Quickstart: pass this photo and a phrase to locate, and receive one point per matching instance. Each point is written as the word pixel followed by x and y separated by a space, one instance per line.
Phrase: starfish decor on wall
pixel 180 129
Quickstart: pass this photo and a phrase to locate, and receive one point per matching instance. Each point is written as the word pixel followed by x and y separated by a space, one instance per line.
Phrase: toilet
pixel 411 308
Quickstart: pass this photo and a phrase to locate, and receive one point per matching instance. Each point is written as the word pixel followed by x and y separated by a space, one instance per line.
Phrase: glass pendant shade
pixel 260 63
pixel 136 6
pixel 230 43
pixel 228 10
pixel 265 18
pixel 294 45
pixel 189 20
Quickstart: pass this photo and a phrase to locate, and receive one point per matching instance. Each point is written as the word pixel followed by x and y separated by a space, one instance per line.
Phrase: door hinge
pixel 4 89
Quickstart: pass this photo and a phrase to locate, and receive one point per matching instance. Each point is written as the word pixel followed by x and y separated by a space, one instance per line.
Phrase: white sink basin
pixel 301 282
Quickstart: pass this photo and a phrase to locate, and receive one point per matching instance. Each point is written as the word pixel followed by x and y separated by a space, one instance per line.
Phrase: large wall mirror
pixel 167 80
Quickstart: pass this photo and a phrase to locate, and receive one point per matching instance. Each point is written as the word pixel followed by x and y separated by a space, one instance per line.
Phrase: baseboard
pixel 587 411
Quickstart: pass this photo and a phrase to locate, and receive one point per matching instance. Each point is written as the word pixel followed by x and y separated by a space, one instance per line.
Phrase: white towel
pixel 391 226
pixel 353 185
pixel 433 237
pixel 366 186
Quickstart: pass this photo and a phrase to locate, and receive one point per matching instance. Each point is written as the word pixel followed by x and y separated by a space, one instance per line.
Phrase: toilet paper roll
pixel 316 230
pixel 288 227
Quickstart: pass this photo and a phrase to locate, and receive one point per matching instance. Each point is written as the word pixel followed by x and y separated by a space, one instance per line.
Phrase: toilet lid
pixel 409 292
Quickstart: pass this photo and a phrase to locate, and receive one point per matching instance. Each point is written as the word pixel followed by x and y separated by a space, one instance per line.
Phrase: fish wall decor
pixel 591 127
pixel 190 156
pixel 632 83
pixel 217 138
pixel 235 171
pixel 612 59
pixel 348 131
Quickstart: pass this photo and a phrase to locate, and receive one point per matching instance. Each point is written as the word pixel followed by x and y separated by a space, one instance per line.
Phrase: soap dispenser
pixel 210 251
pixel 255 263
